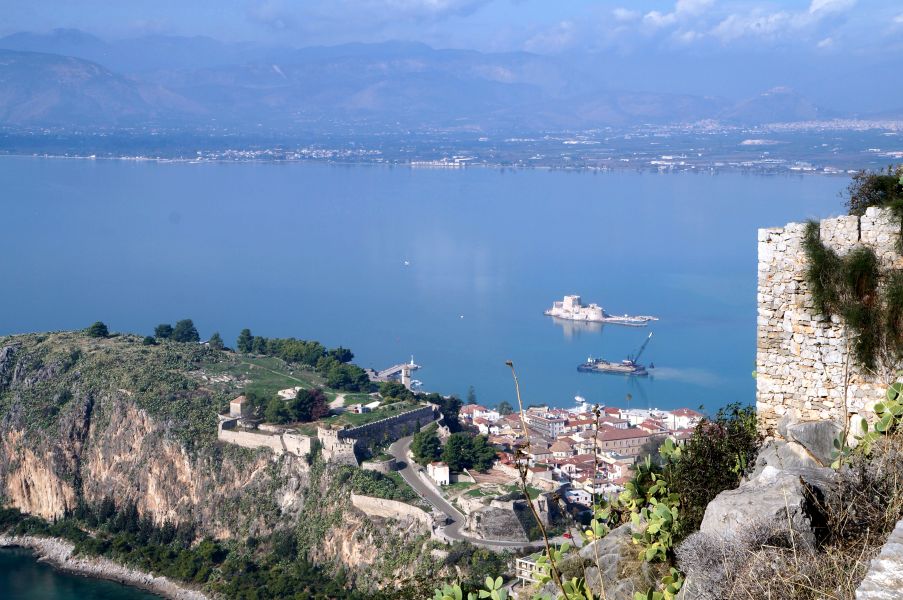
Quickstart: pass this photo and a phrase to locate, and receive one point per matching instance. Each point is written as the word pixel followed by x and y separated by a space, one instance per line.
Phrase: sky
pixel 824 27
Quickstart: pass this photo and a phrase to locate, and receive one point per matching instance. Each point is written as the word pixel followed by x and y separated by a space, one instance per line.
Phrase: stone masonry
pixel 801 355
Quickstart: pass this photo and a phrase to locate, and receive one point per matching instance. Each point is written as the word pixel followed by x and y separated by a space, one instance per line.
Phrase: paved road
pixel 453 530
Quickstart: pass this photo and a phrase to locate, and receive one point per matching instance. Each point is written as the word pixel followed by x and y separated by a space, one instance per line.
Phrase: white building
pixel 239 408
pixel 439 472
pixel 683 418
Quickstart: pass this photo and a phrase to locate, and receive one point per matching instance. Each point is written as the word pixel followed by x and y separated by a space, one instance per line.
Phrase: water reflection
pixel 574 329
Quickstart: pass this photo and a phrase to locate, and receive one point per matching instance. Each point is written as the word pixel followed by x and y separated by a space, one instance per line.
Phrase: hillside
pixel 88 423
pixel 69 78
pixel 53 90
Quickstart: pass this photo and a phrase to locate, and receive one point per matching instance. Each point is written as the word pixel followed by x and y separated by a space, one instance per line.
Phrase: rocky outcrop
pixel 884 580
pixel 496 523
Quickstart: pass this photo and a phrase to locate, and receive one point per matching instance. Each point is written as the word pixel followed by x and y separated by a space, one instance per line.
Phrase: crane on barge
pixel 628 366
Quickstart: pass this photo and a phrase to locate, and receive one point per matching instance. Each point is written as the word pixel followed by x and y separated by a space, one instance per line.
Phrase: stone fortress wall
pixel 393 427
pixel 337 445
pixel 801 356
pixel 391 509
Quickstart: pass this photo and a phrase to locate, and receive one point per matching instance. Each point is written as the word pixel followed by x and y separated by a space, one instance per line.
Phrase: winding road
pixel 399 450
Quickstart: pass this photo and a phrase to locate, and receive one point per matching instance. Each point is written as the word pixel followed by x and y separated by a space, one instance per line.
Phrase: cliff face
pixel 99 443
pixel 82 420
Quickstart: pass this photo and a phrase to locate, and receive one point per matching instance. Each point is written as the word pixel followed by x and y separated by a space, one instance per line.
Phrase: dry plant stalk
pixel 522 469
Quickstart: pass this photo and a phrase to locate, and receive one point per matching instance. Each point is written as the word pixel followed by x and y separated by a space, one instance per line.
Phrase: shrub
pixel 714 459
pixel 98 330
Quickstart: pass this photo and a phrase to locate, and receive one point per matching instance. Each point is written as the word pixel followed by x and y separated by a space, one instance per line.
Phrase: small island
pixel 572 309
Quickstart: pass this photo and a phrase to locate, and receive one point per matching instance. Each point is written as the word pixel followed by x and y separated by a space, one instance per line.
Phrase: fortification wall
pixel 293 443
pixel 391 428
pixel 249 439
pixel 801 355
pixel 391 509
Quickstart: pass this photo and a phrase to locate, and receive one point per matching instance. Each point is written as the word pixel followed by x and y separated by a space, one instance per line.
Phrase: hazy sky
pixel 544 26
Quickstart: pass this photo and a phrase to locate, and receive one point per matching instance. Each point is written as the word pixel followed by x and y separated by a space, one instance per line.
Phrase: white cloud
pixel 625 15
pixel 683 9
pixel 758 25
pixel 830 6
pixel 899 19
pixel 825 43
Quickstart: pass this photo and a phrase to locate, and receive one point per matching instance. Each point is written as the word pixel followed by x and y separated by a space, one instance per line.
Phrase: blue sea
pixel 454 267
pixel 23 578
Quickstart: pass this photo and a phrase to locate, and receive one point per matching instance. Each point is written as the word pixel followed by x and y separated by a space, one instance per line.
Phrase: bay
pixel 24 578
pixel 453 267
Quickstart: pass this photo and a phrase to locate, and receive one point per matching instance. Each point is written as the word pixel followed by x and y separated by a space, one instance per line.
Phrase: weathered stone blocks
pixel 801 356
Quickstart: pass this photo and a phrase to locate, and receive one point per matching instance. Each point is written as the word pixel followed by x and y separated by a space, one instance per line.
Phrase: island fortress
pixel 801 355
pixel 572 309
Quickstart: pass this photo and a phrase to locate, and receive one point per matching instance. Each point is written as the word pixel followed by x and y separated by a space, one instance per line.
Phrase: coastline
pixel 58 553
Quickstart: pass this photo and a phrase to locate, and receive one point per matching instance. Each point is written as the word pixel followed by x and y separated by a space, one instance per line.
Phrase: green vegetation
pixel 720 452
pixel 308 405
pixel 333 364
pixel 849 287
pixel 505 408
pixel 379 485
pixel 392 391
pixel 466 451
pixel 264 569
pixel 98 330
pixel 216 341
pixel 868 298
pixel 69 370
pixel 875 188
pixel 185 332
pixel 163 331
pixel 425 446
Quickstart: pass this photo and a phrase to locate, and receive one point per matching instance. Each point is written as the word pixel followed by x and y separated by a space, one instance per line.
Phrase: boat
pixel 572 308
pixel 629 366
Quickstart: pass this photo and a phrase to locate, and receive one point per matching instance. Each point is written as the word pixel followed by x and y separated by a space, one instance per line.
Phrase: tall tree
pixel 276 411
pixel 216 341
pixel 245 341
pixel 309 405
pixel 98 329
pixel 471 395
pixel 163 331
pixel 185 331
pixel 426 446
pixel 505 408
pixel 456 453
pixel 259 345
pixel 343 355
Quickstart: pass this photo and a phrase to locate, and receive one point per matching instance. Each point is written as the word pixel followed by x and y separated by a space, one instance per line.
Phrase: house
pixel 528 570
pixel 439 472
pixel 561 449
pixel 548 426
pixel 240 407
pixel 579 496
pixel 623 441
pixel 359 409
pixel 538 454
pixel 576 424
pixel 474 411
pixel 684 418
pixel 485 426
pixel 614 422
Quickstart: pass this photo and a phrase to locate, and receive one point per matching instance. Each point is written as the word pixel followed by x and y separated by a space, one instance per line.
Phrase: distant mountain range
pixel 71 78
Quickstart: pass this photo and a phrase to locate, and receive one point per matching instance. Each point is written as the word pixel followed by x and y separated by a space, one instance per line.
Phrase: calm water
pixel 23 578
pixel 319 252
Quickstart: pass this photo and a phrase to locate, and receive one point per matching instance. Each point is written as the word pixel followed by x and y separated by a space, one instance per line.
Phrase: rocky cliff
pixel 83 420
